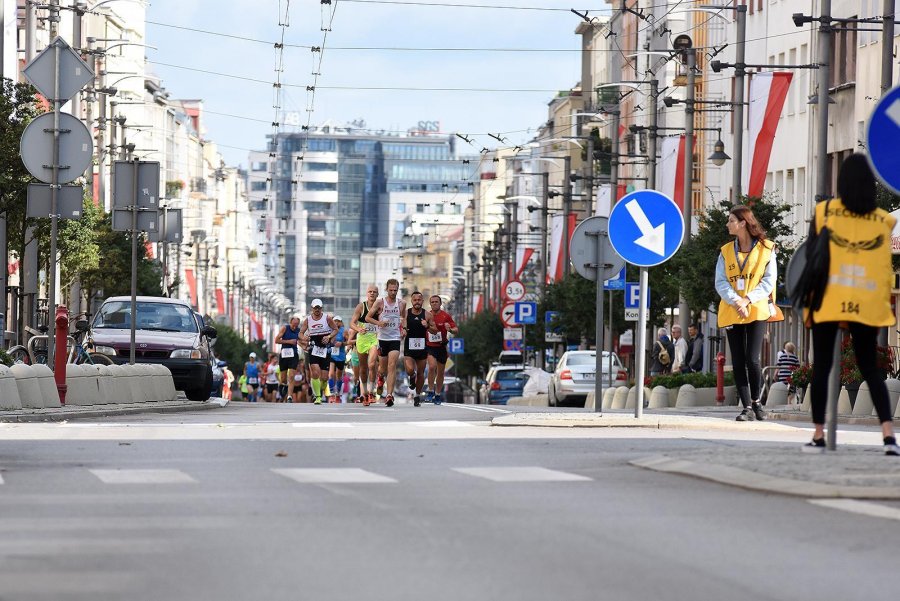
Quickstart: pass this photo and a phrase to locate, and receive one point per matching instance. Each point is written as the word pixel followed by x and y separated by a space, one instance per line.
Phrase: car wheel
pixel 551 396
pixel 201 393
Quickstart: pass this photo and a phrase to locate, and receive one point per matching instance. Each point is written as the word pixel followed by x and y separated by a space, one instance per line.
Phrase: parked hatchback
pixel 168 332
pixel 502 383
pixel 574 375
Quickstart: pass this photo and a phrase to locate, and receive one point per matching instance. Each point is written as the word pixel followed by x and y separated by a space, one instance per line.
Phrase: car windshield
pixel 160 317
pixel 508 374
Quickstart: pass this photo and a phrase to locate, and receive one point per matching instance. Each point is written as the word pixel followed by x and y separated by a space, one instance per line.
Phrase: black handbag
pixel 808 269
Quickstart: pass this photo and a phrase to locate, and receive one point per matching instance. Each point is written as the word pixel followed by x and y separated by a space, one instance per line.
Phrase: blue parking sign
pixel 456 346
pixel 526 313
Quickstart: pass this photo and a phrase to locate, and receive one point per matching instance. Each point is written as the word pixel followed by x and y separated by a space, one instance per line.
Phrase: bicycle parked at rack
pixel 34 352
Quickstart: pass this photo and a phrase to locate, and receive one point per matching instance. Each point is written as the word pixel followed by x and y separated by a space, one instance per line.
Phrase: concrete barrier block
pixel 893 386
pixel 589 401
pixel 863 405
pixel 659 398
pixel 106 384
pixel 29 388
pixel 631 399
pixel 77 383
pixel 844 407
pixel 155 383
pixel 47 384
pixel 168 384
pixel 137 385
pixel 687 396
pixel 731 396
pixel 620 397
pixel 778 395
pixel 705 397
pixel 538 400
pixel 608 396
pixel 9 391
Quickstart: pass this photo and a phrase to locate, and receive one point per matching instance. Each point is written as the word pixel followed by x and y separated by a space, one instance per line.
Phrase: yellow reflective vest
pixel 860 275
pixel 744 272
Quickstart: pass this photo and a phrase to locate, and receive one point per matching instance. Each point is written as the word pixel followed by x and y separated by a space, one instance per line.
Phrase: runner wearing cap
pixel 437 349
pixel 317 331
pixel 366 345
pixel 288 337
pixel 251 370
pixel 338 361
pixel 387 314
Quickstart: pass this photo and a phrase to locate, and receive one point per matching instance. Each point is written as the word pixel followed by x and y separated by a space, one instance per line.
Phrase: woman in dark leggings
pixel 745 278
pixel 857 294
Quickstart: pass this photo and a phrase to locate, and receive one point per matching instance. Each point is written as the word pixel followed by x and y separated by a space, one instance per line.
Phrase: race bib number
pixel 416 344
pixel 335 350
pixel 371 327
pixel 287 352
pixel 319 351
pixel 253 381
pixel 298 377
pixel 432 337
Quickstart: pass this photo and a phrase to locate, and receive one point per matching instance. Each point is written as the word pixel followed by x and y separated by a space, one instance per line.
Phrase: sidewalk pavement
pixel 853 471
pixel 67 412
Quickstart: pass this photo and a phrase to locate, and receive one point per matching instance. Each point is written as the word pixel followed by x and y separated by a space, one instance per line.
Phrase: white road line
pixel 321 425
pixel 445 423
pixel 350 475
pixel 520 474
pixel 480 409
pixel 123 476
pixel 861 507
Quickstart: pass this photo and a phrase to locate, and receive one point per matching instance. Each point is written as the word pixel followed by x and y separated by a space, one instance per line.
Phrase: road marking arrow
pixel 652 238
pixel 893 112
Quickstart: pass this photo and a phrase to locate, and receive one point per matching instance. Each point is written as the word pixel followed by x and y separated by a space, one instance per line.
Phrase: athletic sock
pixel 331 388
pixel 890 440
pixel 317 387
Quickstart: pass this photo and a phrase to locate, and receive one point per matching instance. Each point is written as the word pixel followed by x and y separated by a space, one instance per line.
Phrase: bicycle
pixel 35 351
pixel 78 351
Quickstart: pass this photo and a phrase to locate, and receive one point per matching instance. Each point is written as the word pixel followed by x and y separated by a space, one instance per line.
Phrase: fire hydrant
pixel 60 353
pixel 720 378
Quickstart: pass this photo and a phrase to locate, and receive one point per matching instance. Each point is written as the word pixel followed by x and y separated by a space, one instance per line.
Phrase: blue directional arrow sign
pixel 646 228
pixel 881 140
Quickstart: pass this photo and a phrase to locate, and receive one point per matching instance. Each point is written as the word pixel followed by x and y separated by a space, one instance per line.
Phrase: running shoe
pixel 318 401
pixel 389 401
pixel 429 396
pixel 380 386
pixel 746 415
pixel 891 449
pixel 417 401
pixel 816 445
pixel 437 399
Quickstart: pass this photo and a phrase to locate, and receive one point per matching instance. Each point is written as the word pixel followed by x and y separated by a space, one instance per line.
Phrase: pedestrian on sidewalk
pixel 693 361
pixel 681 349
pixel 661 354
pixel 787 362
pixel 858 292
pixel 745 278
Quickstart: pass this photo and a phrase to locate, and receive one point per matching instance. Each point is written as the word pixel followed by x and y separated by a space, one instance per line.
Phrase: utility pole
pixel 887 46
pixel 651 141
pixel 684 311
pixel 738 105
pixel 567 203
pixel 29 263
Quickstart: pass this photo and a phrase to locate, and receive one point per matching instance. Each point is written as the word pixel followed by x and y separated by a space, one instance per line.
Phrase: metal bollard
pixel 61 354
pixel 720 378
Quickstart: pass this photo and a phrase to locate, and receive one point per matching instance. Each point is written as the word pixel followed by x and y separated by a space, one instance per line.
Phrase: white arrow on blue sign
pixel 646 228
pixel 526 313
pixel 881 140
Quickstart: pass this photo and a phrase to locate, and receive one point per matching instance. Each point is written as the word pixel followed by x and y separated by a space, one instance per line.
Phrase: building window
pixel 843 56
pixel 401 208
pixel 320 186
pixel 259 166
pixel 319 166
pixel 257 186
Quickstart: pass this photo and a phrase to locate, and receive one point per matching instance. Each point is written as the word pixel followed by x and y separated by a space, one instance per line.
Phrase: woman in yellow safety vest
pixel 745 278
pixel 858 292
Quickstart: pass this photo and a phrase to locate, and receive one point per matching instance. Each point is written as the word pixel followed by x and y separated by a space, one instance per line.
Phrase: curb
pixel 653 421
pixel 67 413
pixel 741 478
pixel 804 416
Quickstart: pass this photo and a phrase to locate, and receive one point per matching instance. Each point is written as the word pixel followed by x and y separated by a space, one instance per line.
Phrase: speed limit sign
pixel 515 290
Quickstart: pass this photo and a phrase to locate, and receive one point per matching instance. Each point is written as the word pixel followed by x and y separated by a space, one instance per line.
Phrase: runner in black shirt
pixel 418 324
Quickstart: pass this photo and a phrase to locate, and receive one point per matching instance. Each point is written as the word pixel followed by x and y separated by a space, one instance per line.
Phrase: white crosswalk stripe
pixel 143 476
pixel 520 474
pixel 333 476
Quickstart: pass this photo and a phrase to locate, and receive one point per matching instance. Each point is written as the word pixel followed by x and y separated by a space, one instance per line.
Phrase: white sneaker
pixel 892 449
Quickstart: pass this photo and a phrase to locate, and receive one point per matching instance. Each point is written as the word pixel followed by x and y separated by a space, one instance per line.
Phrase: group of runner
pixel 379 331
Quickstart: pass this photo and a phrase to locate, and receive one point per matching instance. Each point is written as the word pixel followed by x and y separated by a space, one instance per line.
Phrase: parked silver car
pixel 574 375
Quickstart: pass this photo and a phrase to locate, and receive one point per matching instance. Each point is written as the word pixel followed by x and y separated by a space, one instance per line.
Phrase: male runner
pixel 317 330
pixel 387 315
pixel 419 324
pixel 437 349
pixel 338 361
pixel 288 337
pixel 251 370
pixel 366 344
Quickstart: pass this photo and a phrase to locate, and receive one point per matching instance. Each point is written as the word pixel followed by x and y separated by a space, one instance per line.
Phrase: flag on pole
pixel 523 255
pixel 555 267
pixel 767 94
pixel 671 169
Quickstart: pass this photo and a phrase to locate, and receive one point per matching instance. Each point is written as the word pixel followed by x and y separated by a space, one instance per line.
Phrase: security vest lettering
pixel 860 275
pixel 754 268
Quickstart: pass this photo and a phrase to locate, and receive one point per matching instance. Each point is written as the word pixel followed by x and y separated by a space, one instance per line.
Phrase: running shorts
pixel 365 342
pixel 386 347
pixel 439 353
pixel 339 364
pixel 286 363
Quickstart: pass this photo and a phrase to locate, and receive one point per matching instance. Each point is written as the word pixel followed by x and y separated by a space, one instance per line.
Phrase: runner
pixel 271 372
pixel 317 331
pixel 387 315
pixel 366 345
pixel 287 337
pixel 251 370
pixel 419 324
pixel 338 361
pixel 437 349
pixel 353 357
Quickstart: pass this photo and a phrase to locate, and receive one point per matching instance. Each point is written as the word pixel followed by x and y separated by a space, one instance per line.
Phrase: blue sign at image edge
pixel 881 141
pixel 624 232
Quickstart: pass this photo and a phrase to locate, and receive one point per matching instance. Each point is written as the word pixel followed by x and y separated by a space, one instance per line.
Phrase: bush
pixel 5 359
pixel 697 380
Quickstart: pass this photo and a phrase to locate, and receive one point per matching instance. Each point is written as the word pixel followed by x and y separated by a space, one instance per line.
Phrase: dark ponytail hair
pixel 856 184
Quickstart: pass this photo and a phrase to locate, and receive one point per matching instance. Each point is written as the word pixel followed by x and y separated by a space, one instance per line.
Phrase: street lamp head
pixel 670 102
pixel 718 157
pixel 800 19
pixel 716 66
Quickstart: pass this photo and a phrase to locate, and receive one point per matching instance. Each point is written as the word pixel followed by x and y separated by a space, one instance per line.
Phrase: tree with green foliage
pixel 483 334
pixel 233 349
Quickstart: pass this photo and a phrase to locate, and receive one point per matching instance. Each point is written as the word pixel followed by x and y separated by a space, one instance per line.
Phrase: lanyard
pixel 737 255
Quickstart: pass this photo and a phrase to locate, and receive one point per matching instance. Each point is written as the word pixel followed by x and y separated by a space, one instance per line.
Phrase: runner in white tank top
pixel 387 314
pixel 317 331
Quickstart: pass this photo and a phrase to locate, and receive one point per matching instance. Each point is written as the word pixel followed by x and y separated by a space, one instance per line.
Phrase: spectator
pixel 693 361
pixel 681 349
pixel 229 381
pixel 787 363
pixel 661 354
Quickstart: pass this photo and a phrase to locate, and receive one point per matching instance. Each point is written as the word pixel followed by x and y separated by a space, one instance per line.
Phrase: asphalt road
pixel 276 502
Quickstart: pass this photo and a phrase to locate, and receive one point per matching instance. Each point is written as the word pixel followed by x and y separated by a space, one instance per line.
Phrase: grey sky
pixel 369 25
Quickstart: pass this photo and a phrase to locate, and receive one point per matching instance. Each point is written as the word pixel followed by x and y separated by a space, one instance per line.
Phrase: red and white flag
pixel 767 94
pixel 477 303
pixel 555 266
pixel 523 255
pixel 671 169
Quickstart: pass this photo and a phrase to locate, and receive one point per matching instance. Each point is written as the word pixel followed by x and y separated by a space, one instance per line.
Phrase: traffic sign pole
pixel 641 345
pixel 54 224
pixel 134 237
pixel 602 241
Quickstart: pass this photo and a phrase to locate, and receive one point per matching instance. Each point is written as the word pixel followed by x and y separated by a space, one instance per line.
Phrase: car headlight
pixel 105 350
pixel 185 353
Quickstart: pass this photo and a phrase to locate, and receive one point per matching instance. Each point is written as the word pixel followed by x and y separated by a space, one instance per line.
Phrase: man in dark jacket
pixel 661 364
pixel 693 361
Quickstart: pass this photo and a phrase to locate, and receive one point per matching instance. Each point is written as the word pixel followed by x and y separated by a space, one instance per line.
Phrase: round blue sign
pixel 646 228
pixel 881 140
